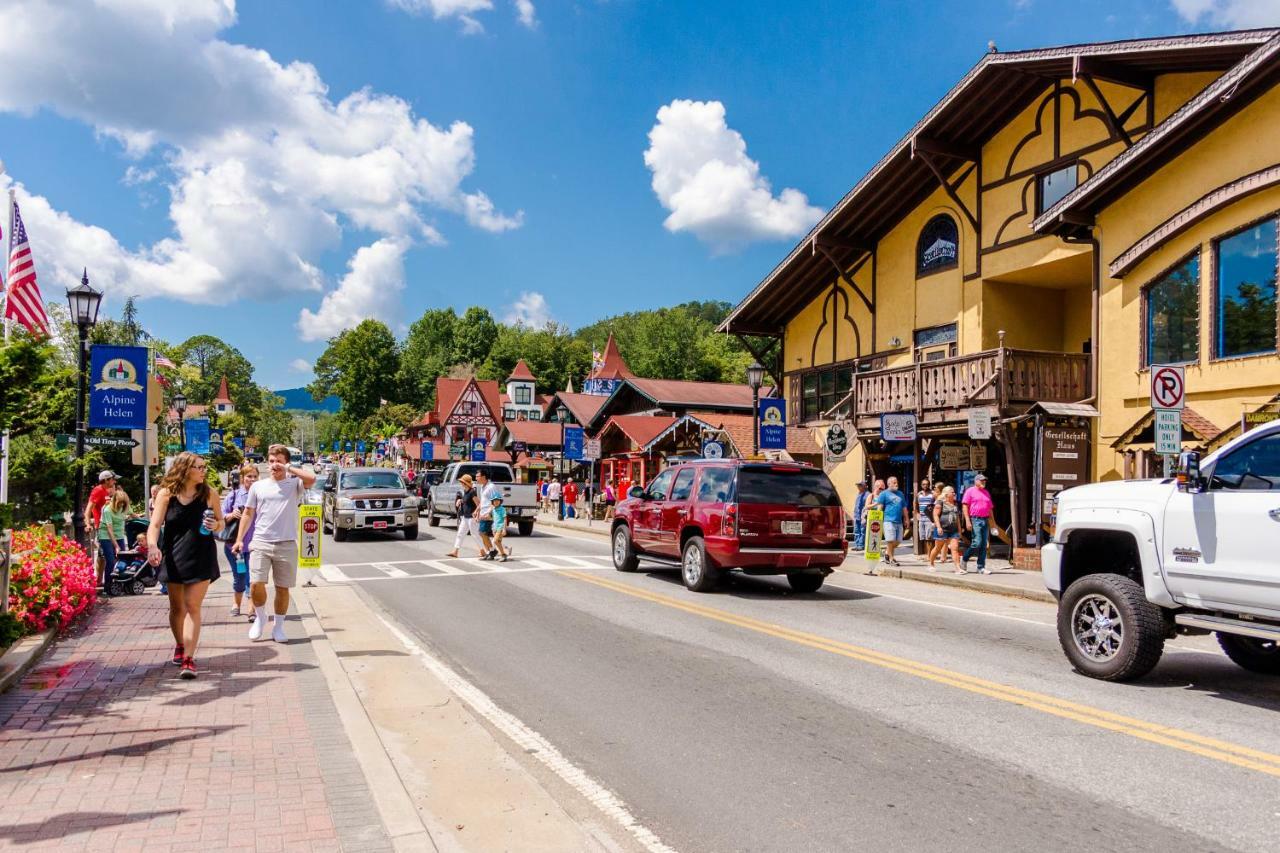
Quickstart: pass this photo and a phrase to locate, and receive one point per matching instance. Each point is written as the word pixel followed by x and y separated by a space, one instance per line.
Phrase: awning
pixel 1063 410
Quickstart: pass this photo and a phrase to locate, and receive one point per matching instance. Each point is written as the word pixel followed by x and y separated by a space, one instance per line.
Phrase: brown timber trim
pixel 1063 160
pixel 1016 241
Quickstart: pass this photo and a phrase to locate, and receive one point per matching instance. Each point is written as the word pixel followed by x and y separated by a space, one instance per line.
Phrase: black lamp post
pixel 180 405
pixel 83 302
pixel 755 376
pixel 562 415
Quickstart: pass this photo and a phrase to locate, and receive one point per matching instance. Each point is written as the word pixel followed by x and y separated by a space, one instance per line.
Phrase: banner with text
pixel 118 387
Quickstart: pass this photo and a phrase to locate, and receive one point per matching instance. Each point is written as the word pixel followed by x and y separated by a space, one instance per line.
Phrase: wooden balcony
pixel 942 392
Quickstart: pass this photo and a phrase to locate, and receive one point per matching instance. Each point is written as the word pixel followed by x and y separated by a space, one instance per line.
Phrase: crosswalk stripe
pixel 390 570
pixel 443 567
pixel 585 562
pixel 539 564
pixel 333 574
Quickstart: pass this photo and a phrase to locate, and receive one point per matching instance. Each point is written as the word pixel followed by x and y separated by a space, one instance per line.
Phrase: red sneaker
pixel 179 655
pixel 188 668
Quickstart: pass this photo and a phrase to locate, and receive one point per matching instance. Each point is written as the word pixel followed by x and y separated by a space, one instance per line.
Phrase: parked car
pixel 368 499
pixel 709 516
pixel 1138 562
pixel 521 500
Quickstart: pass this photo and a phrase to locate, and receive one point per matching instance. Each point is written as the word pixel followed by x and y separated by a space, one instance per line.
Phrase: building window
pixel 936 343
pixel 822 389
pixel 509 414
pixel 1245 303
pixel 938 246
pixel 524 395
pixel 1173 315
pixel 1051 187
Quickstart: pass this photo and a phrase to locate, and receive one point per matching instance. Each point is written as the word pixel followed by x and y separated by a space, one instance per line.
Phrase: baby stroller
pixel 132 574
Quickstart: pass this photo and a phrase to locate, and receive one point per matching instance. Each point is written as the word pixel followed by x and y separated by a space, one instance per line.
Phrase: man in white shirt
pixel 488 492
pixel 272 511
pixel 553 497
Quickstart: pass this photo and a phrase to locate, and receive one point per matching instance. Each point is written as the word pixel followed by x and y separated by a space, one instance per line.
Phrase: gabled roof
pixel 450 391
pixel 641 429
pixel 994 91
pixel 533 433
pixel 583 407
pixel 682 392
pixel 1241 85
pixel 1195 427
pixel 521 373
pixel 739 427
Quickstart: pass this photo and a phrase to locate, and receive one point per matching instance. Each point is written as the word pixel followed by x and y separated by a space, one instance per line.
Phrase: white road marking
pixel 533 744
pixel 333 574
pixel 442 567
pixel 464 559
pixel 495 570
pixel 586 562
pixel 533 563
pixel 390 570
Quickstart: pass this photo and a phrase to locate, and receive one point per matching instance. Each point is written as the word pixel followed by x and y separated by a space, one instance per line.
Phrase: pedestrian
pixel 553 498
pixel 465 507
pixel 488 492
pixel 180 542
pixel 897 516
pixel 111 534
pixel 543 501
pixel 924 515
pixel 946 523
pixel 500 529
pixel 860 517
pixel 570 495
pixel 977 505
pixel 271 512
pixel 99 496
pixel 937 544
pixel 233 513
pixel 610 500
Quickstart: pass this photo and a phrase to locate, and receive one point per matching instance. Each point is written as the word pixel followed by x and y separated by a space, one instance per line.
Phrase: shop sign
pixel 478 447
pixel 977 457
pixel 980 424
pixel 837 443
pixel 773 423
pixel 1064 462
pixel 519 447
pixel 898 427
pixel 1168 431
pixel 712 449
pixel 1249 420
pixel 427 451
pixel 118 395
pixel 953 457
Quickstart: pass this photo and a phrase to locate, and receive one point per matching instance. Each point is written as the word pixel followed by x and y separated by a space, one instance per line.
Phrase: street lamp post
pixel 180 406
pixel 83 302
pixel 755 376
pixel 562 413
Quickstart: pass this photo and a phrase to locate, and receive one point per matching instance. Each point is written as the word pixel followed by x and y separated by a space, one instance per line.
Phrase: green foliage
pixel 36 392
pixel 427 355
pixel 11 629
pixel 674 343
pixel 269 423
pixel 1249 319
pixel 228 460
pixel 474 336
pixel 553 354
pixel 213 359
pixel 40 480
pixel 360 366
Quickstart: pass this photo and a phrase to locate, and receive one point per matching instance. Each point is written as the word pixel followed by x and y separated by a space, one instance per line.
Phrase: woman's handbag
pixel 230 528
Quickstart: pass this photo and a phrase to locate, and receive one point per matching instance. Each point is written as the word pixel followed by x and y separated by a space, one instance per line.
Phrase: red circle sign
pixel 875 526
pixel 1166 388
pixel 310 526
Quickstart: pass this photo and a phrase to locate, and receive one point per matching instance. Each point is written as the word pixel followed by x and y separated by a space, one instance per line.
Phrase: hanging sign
pixel 980 424
pixel 898 427
pixel 198 435
pixel 712 449
pixel 1168 431
pixel 977 457
pixel 118 387
pixel 773 423
pixel 217 444
pixel 309 522
pixel 953 457
pixel 573 439
pixel 360 446
pixel 836 445
pixel 427 452
pixel 347 446
pixel 478 447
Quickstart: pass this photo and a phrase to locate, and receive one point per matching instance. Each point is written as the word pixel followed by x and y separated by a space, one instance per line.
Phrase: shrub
pixel 10 629
pixel 52 581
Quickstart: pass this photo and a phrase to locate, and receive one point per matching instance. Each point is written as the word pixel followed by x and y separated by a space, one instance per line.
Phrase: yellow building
pixel 969 274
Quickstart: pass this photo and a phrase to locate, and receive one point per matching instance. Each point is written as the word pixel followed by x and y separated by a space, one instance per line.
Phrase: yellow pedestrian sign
pixel 875 534
pixel 309 523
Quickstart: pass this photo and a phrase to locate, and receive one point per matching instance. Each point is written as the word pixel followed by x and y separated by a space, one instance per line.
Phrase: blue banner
pixel 337 447
pixel 197 435
pixel 773 423
pixel 216 441
pixel 360 446
pixel 428 451
pixel 347 446
pixel 117 387
pixel 478 446
pixel 573 438
pixel 238 442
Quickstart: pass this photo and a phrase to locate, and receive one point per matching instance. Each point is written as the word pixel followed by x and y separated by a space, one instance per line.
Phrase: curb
pixel 23 655
pixel 965 582
pixel 601 529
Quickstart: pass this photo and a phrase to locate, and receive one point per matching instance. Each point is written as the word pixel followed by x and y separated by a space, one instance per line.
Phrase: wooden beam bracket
pixel 848 278
pixel 947 187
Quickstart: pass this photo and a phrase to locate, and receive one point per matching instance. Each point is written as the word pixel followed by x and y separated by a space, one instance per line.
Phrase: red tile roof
pixel 583 407
pixel 521 373
pixel 685 393
pixel 641 429
pixel 799 439
pixel 223 395
pixel 449 391
pixel 534 433
pixel 613 366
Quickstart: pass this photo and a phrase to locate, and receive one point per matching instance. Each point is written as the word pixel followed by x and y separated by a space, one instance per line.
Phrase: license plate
pixel 379 525
pixel 793 528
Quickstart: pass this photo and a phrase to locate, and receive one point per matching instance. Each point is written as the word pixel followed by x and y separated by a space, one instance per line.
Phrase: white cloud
pixel 1232 14
pixel 370 289
pixel 133 176
pixel 264 169
pixel 702 174
pixel 300 365
pixel 530 310
pixel 526 13
pixel 463 10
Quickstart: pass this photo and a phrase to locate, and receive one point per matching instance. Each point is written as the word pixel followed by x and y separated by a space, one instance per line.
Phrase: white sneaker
pixel 258 625
pixel 277 631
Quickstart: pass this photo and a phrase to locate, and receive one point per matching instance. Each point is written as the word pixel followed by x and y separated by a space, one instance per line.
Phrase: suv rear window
pixel 497 473
pixel 794 486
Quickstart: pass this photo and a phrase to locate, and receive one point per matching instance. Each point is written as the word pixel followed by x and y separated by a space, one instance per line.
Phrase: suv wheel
pixel 1108 629
pixel 698 573
pixel 411 532
pixel 806 581
pixel 1252 653
pixel 624 554
pixel 340 534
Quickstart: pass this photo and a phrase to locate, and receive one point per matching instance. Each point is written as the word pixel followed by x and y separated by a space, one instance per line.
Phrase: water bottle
pixel 206 522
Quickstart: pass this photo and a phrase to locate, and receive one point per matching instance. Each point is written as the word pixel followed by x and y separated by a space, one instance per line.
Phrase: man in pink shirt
pixel 977 506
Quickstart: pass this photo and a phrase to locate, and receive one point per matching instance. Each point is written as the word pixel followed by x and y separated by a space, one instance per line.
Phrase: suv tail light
pixel 730 519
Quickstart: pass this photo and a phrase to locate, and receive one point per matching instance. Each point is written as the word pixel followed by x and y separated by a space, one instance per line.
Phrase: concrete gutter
pixel 19 658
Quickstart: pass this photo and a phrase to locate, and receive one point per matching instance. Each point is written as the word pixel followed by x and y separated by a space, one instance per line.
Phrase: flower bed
pixel 52 580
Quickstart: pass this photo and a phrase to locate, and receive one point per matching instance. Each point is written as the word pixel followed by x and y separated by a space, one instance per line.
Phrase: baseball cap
pixel 107 475
pixel 981 478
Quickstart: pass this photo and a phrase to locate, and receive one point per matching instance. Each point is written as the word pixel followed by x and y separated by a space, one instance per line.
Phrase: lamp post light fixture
pixel 180 406
pixel 83 302
pixel 562 415
pixel 755 376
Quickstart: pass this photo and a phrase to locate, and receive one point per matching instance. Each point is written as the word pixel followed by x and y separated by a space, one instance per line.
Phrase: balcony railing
pixel 941 390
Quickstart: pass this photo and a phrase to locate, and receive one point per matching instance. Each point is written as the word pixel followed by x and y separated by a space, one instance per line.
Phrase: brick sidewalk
pixel 103 747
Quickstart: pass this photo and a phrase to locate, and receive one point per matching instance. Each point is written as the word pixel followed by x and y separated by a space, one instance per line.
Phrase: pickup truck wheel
pixel 433 520
pixel 411 533
pixel 1252 653
pixel 525 528
pixel 624 554
pixel 806 581
pixel 340 534
pixel 698 573
pixel 1108 629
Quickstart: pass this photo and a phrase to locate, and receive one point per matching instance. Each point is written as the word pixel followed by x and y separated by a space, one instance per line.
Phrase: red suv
pixel 765 518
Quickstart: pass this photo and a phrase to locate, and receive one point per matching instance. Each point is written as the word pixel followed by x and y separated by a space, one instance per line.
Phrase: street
pixel 877 713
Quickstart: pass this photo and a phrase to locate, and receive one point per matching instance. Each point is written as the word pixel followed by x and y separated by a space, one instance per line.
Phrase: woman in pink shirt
pixel 977 506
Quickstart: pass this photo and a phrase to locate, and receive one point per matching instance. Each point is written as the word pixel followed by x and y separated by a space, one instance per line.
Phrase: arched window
pixel 939 245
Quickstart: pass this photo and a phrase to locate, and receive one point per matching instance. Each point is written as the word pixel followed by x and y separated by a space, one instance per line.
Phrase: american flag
pixel 24 303
pixel 161 361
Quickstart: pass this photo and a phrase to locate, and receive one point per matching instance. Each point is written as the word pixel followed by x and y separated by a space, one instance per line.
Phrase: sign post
pixel 1168 399
pixel 309 523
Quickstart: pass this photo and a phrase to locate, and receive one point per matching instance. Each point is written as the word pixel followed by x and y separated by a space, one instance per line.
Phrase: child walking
pixel 500 529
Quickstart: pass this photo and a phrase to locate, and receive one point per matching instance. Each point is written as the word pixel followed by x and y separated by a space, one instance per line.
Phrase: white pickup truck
pixel 1136 563
pixel 521 500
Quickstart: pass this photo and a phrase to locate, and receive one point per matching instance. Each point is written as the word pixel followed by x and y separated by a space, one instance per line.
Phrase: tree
pixel 360 366
pixel 552 353
pixel 674 343
pixel 474 336
pixel 269 423
pixel 428 354
pixel 213 359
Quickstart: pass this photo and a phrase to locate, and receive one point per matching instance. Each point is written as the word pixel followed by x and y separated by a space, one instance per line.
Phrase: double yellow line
pixel 1218 750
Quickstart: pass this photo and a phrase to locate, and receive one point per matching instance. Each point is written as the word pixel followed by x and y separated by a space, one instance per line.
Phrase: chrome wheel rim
pixel 1097 628
pixel 692 566
pixel 619 547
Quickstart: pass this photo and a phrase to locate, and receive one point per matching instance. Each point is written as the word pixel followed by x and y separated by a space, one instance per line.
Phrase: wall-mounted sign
pixel 980 424
pixel 938 245
pixel 1249 420
pixel 977 457
pixel 118 387
pixel 898 427
pixel 953 457
pixel 773 423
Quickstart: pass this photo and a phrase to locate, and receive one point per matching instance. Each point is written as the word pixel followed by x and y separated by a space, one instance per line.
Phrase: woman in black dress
pixel 181 543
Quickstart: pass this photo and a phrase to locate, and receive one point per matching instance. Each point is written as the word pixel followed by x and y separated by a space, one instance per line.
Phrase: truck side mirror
pixel 1188 476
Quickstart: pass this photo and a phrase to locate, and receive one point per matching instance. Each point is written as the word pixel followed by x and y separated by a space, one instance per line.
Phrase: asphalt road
pixel 876 714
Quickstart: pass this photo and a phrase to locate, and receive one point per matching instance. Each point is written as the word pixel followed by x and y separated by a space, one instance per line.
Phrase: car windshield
pixel 497 473
pixel 794 486
pixel 372 480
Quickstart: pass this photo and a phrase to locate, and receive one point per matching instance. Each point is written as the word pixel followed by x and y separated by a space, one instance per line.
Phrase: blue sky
pixel 272 172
